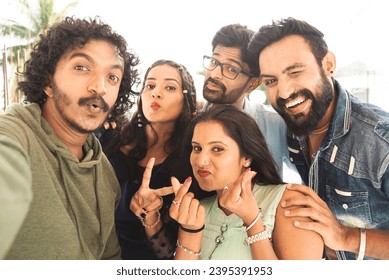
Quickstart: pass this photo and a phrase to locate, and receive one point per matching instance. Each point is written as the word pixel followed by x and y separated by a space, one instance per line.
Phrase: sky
pixel 183 30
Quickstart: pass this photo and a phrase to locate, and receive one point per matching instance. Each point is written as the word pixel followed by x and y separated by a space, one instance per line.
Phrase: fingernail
pixel 287 212
pixel 296 223
pixel 189 179
pixel 289 186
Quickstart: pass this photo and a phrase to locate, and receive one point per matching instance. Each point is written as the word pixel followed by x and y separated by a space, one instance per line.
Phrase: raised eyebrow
pixel 266 76
pixel 231 60
pixel 167 79
pixel 212 143
pixel 87 57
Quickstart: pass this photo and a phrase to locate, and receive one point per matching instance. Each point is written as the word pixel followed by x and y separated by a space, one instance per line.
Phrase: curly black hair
pixel 65 36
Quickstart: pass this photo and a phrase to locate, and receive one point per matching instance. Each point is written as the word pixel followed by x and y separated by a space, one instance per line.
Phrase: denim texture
pixel 350 169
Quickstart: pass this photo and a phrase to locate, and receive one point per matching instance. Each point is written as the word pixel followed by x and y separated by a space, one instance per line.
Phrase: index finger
pixel 147 174
pixel 163 191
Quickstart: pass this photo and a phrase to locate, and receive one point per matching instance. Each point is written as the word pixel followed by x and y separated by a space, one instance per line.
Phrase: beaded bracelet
pixel 257 237
pixel 192 230
pixel 152 225
pixel 189 251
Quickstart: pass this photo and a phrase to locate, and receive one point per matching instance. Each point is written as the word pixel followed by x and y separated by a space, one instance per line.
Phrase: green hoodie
pixel 71 214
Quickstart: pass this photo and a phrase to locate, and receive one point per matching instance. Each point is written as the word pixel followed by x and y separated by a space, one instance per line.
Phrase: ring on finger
pixel 176 203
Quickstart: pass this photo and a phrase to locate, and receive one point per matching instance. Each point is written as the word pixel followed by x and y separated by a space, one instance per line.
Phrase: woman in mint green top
pixel 230 226
pixel 245 219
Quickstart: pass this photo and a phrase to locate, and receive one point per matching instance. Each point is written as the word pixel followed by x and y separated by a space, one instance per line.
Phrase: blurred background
pixel 183 30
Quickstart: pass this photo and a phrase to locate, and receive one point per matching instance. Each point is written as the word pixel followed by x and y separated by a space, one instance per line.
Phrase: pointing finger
pixel 147 174
pixel 163 191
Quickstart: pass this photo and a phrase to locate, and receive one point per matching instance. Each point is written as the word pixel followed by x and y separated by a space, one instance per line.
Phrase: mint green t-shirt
pixel 232 247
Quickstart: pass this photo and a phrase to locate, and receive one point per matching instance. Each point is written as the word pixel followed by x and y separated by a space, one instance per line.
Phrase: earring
pixel 139 120
pixel 246 164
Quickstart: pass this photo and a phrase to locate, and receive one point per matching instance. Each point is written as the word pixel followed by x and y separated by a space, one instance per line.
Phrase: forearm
pixel 377 243
pixel 162 238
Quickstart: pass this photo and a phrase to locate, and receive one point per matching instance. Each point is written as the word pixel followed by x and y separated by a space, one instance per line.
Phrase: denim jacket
pixel 350 169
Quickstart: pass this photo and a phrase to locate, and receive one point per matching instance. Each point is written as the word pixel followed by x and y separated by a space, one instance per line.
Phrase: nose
pixel 98 85
pixel 156 93
pixel 202 159
pixel 285 89
pixel 217 72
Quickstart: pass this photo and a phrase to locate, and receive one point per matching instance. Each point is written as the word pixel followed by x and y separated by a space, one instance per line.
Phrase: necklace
pixel 219 239
pixel 319 132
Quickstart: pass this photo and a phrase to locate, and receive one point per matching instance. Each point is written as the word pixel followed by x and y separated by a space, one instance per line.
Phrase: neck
pixel 72 139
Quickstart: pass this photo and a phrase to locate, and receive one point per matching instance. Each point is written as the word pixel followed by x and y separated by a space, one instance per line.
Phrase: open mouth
pixel 95 107
pixel 295 102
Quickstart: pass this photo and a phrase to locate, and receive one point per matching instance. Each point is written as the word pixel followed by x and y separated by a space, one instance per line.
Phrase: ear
pixel 48 90
pixel 253 84
pixel 329 64
pixel 247 162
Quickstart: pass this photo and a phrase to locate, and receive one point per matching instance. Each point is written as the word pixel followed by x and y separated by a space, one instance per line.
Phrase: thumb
pixel 247 181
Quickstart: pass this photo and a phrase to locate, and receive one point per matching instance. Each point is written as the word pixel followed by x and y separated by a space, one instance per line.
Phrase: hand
pixel 146 202
pixel 186 209
pixel 323 221
pixel 239 199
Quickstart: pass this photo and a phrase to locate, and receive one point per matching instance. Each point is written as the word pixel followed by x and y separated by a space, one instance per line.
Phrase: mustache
pixel 219 84
pixel 303 92
pixel 95 100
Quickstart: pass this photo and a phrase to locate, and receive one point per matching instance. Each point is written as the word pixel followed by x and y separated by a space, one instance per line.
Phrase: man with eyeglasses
pixel 231 75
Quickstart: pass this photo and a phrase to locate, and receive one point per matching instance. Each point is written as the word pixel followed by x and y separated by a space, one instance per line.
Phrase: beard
pixel 62 101
pixel 221 96
pixel 303 124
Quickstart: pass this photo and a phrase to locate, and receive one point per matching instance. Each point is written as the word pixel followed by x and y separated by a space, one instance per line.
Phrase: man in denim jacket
pixel 339 145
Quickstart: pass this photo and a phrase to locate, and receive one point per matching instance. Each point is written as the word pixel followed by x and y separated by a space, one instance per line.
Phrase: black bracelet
pixel 192 230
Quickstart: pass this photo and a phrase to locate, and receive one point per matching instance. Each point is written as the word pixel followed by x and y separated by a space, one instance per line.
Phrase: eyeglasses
pixel 228 71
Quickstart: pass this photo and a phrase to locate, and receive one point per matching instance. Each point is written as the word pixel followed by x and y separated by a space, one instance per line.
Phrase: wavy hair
pixel 67 35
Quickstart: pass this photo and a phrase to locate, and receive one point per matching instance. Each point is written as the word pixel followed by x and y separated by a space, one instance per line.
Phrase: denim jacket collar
pixel 341 120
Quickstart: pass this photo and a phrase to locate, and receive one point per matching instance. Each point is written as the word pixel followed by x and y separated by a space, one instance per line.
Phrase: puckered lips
pixel 212 86
pixel 95 106
pixel 203 173
pixel 155 106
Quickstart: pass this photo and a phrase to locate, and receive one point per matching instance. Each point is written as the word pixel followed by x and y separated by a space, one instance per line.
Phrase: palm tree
pixel 38 21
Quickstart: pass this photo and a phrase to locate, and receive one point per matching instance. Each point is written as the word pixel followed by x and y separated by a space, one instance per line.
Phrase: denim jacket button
pixel 345 206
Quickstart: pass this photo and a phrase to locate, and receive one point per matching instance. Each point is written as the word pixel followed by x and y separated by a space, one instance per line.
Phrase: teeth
pixel 294 102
